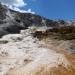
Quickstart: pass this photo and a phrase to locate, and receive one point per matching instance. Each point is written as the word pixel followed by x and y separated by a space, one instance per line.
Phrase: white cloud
pixel 15 4
pixel 22 11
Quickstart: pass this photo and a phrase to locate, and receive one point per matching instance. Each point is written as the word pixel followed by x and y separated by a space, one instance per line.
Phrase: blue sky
pixel 53 9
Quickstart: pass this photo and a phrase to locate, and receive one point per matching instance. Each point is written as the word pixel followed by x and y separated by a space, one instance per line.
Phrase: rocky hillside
pixel 12 22
pixel 33 45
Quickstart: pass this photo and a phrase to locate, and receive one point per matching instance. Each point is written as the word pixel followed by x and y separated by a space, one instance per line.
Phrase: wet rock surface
pixel 28 55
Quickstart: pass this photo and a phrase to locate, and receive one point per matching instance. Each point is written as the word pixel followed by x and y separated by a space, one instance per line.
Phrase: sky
pixel 52 9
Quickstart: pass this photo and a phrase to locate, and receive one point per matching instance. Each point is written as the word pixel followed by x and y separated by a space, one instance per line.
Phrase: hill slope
pixel 33 45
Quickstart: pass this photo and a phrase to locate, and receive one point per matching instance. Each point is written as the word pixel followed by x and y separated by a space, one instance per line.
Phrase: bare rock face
pixel 33 45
